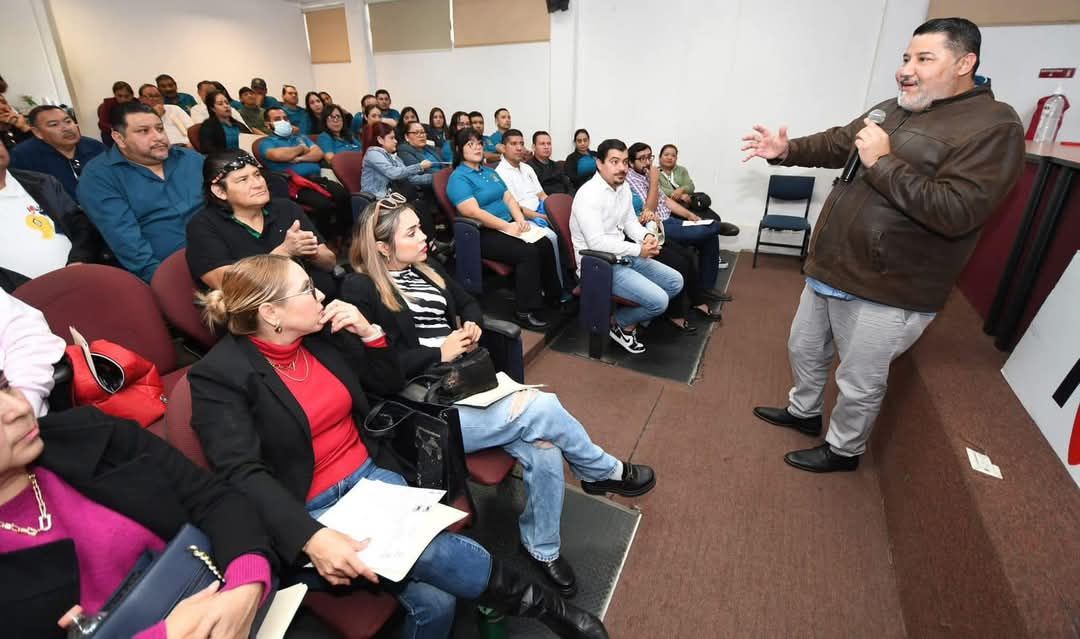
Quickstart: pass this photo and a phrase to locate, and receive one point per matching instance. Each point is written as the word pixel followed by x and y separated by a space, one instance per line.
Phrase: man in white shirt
pixel 28 350
pixel 603 219
pixel 174 118
pixel 521 181
pixel 199 112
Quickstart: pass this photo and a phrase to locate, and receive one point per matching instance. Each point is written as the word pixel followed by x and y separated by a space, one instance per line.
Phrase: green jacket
pixel 680 177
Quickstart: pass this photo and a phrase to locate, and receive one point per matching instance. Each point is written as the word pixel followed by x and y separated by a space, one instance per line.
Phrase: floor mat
pixel 669 353
pixel 597 535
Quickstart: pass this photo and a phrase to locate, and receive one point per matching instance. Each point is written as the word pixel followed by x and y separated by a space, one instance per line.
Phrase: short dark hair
pixel 608 145
pixel 476 114
pixel 202 82
pixel 164 76
pixel 500 110
pixel 146 86
pixel 366 96
pixel 461 138
pixel 38 110
pixel 538 134
pixel 635 148
pixel 380 130
pixel 513 133
pixel 120 84
pixel 266 113
pixel 245 90
pixel 287 86
pixel 382 92
pixel 962 36
pixel 118 116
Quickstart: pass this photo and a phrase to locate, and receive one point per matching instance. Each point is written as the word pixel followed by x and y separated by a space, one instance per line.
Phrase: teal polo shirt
pixel 330 144
pixel 484 184
pixel 232 136
pixel 306 169
pixel 489 144
pixel 298 116
pixel 496 138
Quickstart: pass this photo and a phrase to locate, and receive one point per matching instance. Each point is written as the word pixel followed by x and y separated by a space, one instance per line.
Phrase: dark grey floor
pixel 669 353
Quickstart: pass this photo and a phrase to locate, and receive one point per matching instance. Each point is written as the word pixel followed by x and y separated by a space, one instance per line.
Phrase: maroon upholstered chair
pixel 193 135
pixel 174 292
pixel 348 166
pixel 466 239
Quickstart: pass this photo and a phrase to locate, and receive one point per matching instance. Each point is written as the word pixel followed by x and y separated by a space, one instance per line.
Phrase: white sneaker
pixel 723 265
pixel 626 339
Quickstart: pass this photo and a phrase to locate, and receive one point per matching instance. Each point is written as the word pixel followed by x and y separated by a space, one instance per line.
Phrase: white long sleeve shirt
pixel 602 218
pixel 28 350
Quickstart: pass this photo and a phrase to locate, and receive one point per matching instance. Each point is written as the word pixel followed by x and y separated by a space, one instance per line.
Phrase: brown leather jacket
pixel 902 230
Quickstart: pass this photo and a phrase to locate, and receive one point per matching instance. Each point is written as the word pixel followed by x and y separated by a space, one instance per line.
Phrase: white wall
pixel 31 64
pixel 472 78
pixel 347 82
pixel 108 40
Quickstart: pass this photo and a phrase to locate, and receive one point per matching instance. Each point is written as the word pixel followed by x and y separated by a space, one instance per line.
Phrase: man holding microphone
pixel 894 233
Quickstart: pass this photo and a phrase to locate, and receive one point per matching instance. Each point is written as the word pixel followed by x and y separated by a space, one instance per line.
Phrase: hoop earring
pixel 277 328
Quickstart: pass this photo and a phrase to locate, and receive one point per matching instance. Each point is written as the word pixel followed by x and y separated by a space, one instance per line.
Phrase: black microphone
pixel 877 116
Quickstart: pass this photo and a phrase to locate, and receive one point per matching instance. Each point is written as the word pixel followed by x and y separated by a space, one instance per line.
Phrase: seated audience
pixel 408 115
pixel 360 118
pixel 167 86
pixel 28 350
pixel 437 129
pixel 523 185
pixel 43 228
pixel 175 120
pixel 581 164
pixel 384 172
pixel 372 116
pixel 221 130
pixel 676 184
pixel 603 219
pixel 478 192
pixel 201 112
pixel 290 103
pixel 258 85
pixel 295 459
pixel 14 127
pixel 429 318
pixel 313 111
pixel 502 125
pixel 491 154
pixel 551 176
pixel 325 97
pixel 415 149
pixel 141 193
pixel 58 148
pixel 86 495
pixel 390 115
pixel 121 93
pixel 241 219
pixel 336 136
pixel 459 121
pixel 250 111
pixel 286 152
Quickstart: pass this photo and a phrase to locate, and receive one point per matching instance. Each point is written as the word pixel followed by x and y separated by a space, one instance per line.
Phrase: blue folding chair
pixel 788 188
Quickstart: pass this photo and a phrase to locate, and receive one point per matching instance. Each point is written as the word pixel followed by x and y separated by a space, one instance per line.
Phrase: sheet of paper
pixel 282 610
pixel 982 463
pixel 534 234
pixel 398 521
pixel 697 223
pixel 81 342
pixel 506 387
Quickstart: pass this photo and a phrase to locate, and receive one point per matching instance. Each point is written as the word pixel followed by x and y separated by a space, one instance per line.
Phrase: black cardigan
pixel 256 434
pixel 129 470
pixel 358 289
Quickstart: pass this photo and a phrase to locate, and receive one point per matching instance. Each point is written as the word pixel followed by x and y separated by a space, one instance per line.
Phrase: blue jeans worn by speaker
pixel 703 237
pixel 450 567
pixel 538 432
pixel 648 283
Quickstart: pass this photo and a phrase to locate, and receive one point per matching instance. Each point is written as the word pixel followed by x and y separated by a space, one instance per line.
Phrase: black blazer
pixel 255 433
pixel 358 289
pixel 119 465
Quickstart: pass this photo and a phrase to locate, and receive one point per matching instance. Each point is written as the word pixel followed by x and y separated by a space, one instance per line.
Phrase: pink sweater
pixel 107 550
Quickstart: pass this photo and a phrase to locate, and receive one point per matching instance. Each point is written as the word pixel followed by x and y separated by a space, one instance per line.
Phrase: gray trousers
pixel 868 337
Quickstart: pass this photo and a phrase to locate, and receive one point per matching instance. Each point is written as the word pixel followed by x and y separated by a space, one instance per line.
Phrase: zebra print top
pixel 427 304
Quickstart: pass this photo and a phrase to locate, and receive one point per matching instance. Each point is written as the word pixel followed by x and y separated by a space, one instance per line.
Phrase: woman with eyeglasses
pixel 278 404
pixel 580 165
pixel 479 193
pixel 429 318
pixel 415 148
pixel 221 130
pixel 241 219
pixel 336 136
pixel 313 106
pixel 437 128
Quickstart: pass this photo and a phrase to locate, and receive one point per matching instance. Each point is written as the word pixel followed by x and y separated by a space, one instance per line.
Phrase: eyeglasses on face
pixel 310 288
pixel 334 116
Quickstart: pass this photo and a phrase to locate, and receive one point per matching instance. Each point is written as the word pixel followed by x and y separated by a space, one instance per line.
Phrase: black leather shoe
pixel 637 479
pixel 719 297
pixel 557 571
pixel 727 229
pixel 715 312
pixel 781 417
pixel 530 321
pixel 513 593
pixel 821 460
pixel 685 327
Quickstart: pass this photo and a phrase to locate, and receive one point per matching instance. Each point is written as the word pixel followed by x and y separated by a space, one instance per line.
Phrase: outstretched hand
pixel 762 143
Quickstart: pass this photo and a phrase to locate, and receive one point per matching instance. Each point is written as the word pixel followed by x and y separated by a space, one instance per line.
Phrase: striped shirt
pixel 427 304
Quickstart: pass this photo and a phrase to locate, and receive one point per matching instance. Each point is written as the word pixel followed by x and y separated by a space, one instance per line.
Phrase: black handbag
pixel 700 202
pixel 424 444
pixel 447 382
pixel 154 586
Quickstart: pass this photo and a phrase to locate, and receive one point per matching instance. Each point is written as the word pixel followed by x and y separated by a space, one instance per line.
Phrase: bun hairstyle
pixel 246 285
pixel 379 224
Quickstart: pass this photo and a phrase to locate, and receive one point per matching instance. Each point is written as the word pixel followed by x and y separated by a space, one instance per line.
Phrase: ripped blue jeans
pixel 538 432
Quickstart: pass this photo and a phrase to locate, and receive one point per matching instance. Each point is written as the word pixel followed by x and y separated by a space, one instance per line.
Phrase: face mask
pixel 282 128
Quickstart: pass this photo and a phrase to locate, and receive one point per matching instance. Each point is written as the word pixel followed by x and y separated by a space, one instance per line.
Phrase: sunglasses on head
pixel 235 164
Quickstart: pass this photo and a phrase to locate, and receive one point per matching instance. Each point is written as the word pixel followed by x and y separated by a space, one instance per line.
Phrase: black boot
pixel 512 593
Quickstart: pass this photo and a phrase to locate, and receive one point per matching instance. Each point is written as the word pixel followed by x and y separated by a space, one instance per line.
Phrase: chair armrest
pixel 63 371
pixel 461 219
pixel 506 329
pixel 63 374
pixel 502 339
pixel 610 258
pixel 467 255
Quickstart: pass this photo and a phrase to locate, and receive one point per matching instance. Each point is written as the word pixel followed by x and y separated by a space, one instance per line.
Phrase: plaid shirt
pixel 639 184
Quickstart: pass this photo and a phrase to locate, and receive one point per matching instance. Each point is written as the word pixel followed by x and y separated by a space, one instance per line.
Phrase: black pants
pixel 331 215
pixel 682 259
pixel 534 267
pixel 422 201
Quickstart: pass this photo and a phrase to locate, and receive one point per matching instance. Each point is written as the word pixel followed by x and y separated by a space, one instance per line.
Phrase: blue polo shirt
pixel 232 135
pixel 496 138
pixel 183 100
pixel 297 116
pixel 35 155
pixel 484 184
pixel 306 169
pixel 489 146
pixel 270 102
pixel 393 114
pixel 330 144
pixel 141 216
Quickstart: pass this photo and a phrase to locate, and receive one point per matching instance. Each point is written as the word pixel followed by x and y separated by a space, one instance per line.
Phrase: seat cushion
pixel 785 223
pixel 358 615
pixel 489 466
